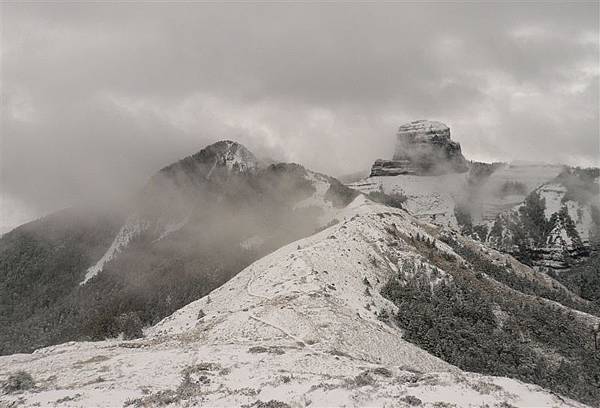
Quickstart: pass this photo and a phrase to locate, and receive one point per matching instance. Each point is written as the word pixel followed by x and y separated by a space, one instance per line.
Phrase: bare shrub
pixel 130 325
pixel 268 404
pixel 18 382
pixel 261 349
pixel 159 399
pixel 412 400
pixel 363 379
pixel 382 371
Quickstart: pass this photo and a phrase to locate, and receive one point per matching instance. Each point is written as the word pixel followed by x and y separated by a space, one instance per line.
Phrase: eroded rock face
pixel 383 167
pixel 428 147
pixel 423 148
pixel 556 227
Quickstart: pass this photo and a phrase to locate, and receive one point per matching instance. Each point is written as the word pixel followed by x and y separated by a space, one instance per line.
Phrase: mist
pixel 97 97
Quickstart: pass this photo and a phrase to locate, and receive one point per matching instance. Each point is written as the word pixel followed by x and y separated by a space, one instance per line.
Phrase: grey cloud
pixel 96 97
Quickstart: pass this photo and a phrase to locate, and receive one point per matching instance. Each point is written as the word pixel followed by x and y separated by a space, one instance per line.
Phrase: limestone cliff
pixel 423 148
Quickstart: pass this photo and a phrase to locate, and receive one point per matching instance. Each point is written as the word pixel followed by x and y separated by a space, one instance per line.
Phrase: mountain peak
pixel 225 157
pixel 230 154
pixel 423 147
pixel 424 127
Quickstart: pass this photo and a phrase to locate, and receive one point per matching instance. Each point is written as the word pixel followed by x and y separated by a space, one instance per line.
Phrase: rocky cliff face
pixel 556 226
pixel 546 215
pixel 423 148
pixel 383 167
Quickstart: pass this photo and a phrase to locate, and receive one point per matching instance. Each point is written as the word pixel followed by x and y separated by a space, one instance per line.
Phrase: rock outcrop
pixel 423 148
pixel 556 227
pixel 383 167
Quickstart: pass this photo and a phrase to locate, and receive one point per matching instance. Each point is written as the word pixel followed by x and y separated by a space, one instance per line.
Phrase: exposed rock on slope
pixel 487 202
pixel 428 168
pixel 425 159
pixel 483 193
pixel 302 326
pixel 556 226
pixel 423 148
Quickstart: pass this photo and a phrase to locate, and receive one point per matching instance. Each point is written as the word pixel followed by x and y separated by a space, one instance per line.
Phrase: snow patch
pixel 172 227
pixel 429 198
pixel 321 185
pixel 133 227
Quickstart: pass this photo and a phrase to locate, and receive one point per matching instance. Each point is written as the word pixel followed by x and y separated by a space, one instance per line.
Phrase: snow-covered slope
pixel 298 327
pixel 491 205
pixel 434 198
pixel 527 175
pixel 133 227
pixel 428 198
pixel 570 234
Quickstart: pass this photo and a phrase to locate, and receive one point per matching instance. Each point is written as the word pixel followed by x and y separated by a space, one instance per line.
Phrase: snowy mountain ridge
pixel 302 326
pixel 135 225
pixel 193 226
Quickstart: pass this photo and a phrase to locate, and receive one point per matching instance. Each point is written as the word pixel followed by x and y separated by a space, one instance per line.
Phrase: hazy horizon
pixel 97 97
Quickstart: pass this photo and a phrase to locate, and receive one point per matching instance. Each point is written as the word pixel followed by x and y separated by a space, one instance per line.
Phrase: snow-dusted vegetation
pixel 306 324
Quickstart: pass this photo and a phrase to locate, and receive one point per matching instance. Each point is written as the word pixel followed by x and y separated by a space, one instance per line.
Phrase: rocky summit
pixel 424 148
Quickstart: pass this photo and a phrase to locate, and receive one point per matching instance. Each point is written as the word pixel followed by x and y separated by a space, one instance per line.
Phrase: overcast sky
pixel 97 97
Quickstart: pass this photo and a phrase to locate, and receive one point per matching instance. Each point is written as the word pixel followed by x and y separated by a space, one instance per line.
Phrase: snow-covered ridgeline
pixel 299 326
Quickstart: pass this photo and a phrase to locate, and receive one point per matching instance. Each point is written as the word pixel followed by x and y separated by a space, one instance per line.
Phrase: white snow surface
pixel 581 215
pixel 429 198
pixel 321 185
pixel 423 126
pixel 433 198
pixel 132 228
pixel 297 326
pixel 530 175
pixel 553 194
